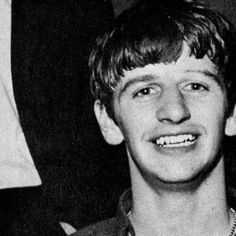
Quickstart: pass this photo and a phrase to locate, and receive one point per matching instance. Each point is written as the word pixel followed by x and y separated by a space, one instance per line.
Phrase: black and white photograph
pixel 118 117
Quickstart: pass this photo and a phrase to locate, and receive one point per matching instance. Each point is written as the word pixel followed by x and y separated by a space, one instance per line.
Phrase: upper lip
pixel 154 137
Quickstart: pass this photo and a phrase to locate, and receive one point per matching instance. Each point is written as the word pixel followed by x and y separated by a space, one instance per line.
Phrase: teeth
pixel 176 141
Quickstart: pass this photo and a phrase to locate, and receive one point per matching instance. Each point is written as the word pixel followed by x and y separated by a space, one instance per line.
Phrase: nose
pixel 173 108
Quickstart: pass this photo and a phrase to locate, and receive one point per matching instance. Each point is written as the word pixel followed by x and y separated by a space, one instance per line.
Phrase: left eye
pixel 196 87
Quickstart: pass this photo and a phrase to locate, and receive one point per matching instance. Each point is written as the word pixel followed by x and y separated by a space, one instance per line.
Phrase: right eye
pixel 147 92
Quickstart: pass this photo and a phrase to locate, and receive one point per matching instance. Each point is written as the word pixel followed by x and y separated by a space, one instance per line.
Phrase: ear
pixel 230 128
pixel 110 131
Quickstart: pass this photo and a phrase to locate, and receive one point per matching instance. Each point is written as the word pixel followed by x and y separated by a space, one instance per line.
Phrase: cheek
pixel 130 125
pixel 211 115
pixel 211 108
pixel 134 124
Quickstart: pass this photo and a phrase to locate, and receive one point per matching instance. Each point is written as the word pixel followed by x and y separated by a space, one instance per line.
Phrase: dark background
pixel 82 176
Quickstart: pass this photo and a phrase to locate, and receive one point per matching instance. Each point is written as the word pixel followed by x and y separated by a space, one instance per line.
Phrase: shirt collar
pixel 124 225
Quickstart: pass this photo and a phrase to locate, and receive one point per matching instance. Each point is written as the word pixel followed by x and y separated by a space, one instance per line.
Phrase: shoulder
pixel 103 228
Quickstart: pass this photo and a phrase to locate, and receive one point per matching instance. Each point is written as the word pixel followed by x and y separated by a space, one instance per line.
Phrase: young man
pixel 163 83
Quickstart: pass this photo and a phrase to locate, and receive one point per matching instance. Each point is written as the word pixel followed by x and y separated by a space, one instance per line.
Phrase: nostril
pixel 173 113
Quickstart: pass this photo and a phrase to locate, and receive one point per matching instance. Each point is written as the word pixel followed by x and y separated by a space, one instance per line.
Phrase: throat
pixel 200 226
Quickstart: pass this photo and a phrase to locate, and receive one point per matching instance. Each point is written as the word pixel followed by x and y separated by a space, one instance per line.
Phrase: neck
pixel 184 211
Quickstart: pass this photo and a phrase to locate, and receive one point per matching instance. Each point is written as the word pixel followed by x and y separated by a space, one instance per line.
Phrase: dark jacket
pixel 120 225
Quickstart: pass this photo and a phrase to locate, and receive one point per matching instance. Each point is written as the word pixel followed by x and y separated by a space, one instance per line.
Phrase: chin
pixel 176 184
pixel 184 181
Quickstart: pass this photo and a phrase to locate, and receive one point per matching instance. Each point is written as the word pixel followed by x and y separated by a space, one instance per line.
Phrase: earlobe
pixel 110 131
pixel 230 127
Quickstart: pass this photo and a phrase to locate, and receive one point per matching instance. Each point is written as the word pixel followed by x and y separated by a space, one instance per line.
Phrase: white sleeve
pixel 17 168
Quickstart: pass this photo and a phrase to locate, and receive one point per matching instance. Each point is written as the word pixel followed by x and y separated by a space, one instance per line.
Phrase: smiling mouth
pixel 175 141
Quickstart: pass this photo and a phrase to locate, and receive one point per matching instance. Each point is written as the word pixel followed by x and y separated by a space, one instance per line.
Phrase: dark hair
pixel 153 32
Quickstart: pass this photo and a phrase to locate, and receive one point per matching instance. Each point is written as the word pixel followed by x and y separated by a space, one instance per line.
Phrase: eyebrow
pixel 138 79
pixel 211 75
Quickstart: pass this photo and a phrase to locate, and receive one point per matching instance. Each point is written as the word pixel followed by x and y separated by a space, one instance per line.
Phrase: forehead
pixel 184 64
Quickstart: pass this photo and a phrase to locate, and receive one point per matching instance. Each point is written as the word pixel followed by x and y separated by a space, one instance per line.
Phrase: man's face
pixel 172 116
